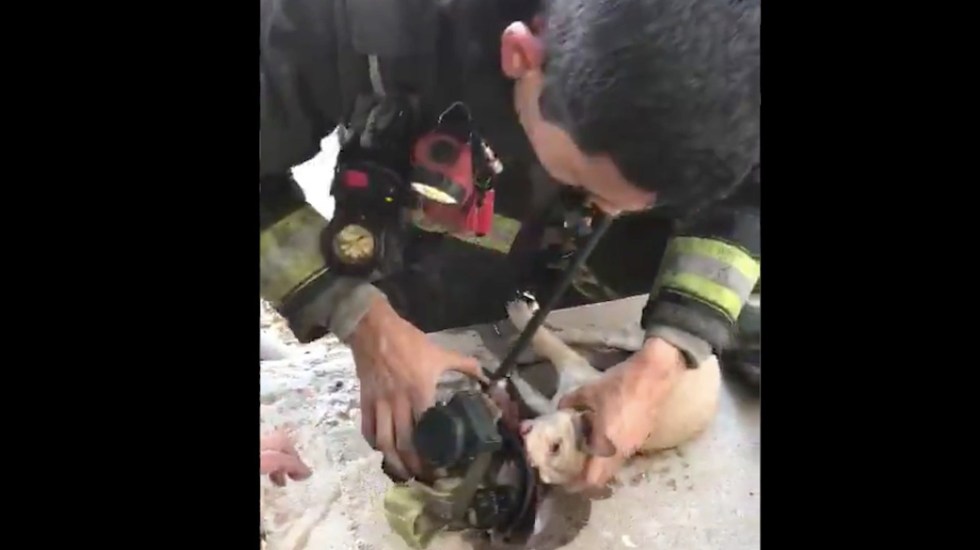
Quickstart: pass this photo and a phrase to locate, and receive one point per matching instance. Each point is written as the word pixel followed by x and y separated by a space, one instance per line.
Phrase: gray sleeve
pixel 337 310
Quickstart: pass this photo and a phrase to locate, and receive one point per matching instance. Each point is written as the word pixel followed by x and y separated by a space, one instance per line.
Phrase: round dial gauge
pixel 354 244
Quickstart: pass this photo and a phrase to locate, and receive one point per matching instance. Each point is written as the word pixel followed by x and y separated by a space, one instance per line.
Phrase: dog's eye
pixel 555 447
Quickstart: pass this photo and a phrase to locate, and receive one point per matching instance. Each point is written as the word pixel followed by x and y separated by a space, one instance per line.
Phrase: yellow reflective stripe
pixel 713 272
pixel 290 255
pixel 500 238
pixel 717 250
pixel 704 290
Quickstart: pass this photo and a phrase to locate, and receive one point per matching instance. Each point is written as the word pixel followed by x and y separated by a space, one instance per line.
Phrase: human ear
pixel 520 50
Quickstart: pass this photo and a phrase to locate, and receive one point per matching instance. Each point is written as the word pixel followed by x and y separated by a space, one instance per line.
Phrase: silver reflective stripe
pixel 374 71
pixel 716 273
pixel 715 270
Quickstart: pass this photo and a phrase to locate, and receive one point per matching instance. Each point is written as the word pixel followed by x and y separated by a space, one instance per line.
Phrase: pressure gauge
pixel 354 244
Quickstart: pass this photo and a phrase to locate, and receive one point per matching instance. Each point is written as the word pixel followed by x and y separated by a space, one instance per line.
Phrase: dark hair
pixel 669 89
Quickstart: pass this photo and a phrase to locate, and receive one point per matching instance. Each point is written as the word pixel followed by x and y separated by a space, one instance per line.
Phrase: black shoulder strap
pixel 385 48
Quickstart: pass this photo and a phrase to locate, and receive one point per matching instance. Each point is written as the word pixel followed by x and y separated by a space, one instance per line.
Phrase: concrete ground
pixel 702 496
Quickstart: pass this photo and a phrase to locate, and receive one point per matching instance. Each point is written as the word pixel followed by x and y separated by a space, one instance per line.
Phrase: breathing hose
pixel 510 361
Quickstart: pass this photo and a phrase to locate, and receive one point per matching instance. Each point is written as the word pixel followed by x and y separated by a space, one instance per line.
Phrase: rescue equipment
pixel 486 482
pixel 368 221
pixel 452 170
pixel 483 480
pixel 446 174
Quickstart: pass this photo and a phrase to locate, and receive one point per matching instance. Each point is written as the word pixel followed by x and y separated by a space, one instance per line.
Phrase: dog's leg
pixel 627 339
pixel 535 400
pixel 547 345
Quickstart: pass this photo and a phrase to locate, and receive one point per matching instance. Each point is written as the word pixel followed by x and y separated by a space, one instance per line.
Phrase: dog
pixel 558 441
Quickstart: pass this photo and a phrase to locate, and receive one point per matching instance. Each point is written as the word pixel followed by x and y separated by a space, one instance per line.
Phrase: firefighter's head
pixel 640 102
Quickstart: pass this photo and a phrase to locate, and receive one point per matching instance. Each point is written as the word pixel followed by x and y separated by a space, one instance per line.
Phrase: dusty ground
pixel 702 496
pixel 339 507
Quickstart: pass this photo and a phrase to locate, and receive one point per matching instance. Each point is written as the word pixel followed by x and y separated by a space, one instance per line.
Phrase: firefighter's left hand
pixel 625 402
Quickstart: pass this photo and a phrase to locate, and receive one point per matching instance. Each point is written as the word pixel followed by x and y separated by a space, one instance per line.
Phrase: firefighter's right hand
pixel 398 368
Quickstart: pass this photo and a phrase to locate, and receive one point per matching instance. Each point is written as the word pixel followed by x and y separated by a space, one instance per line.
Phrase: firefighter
pixel 648 107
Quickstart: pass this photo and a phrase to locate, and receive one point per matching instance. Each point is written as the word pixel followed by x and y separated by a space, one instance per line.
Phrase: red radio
pixel 444 175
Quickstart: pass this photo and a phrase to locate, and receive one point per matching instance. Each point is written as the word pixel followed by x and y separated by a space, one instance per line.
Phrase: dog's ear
pixel 594 444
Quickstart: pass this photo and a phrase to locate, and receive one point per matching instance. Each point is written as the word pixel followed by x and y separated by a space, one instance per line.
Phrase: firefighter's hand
pixel 278 458
pixel 398 368
pixel 624 403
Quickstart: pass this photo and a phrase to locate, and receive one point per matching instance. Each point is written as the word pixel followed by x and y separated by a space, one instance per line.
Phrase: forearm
pixel 293 273
pixel 707 274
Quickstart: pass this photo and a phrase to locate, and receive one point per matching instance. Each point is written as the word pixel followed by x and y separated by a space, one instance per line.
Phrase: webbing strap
pixel 713 272
pixel 374 71
pixel 377 85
